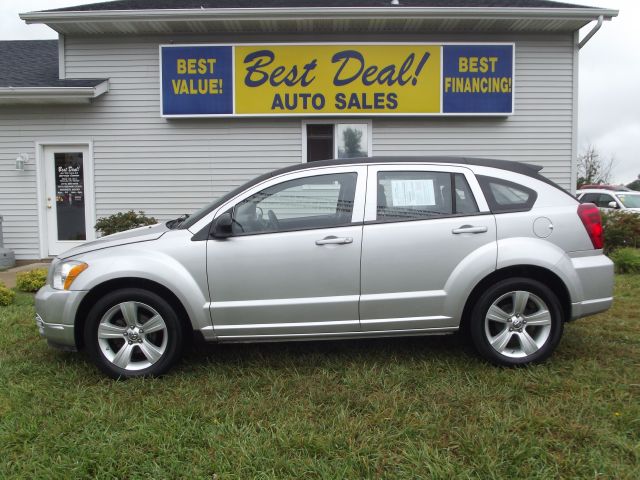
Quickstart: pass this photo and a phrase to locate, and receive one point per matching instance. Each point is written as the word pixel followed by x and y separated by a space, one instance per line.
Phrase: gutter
pixel 53 93
pixel 593 31
pixel 151 15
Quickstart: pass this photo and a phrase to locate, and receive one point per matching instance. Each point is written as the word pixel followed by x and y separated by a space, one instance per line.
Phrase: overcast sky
pixel 609 111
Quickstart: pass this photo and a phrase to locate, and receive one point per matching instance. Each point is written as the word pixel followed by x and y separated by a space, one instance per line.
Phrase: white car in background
pixel 611 197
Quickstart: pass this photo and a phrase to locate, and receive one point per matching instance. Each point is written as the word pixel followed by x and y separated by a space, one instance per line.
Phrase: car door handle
pixel 334 240
pixel 468 229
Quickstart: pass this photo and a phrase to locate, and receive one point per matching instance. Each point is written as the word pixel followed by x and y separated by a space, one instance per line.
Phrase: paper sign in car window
pixel 408 193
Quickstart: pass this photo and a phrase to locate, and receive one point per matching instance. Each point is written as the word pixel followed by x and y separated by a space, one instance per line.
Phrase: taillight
pixel 590 216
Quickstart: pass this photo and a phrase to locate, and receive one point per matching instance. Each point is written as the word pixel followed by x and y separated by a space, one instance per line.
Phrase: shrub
pixel 31 281
pixel 122 221
pixel 6 295
pixel 621 229
pixel 627 260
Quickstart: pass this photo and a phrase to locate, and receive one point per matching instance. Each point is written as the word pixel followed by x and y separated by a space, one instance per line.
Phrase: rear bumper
pixel 55 316
pixel 595 274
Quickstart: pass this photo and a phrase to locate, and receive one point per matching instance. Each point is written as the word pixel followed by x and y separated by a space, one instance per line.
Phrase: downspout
pixel 593 31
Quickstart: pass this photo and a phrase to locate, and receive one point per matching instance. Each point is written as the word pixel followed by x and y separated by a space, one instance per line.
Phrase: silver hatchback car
pixel 352 248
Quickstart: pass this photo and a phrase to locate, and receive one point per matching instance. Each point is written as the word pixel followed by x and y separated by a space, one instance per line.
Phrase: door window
pixel 319 201
pixel 589 198
pixel 463 199
pixel 604 200
pixel 420 195
pixel 600 199
pixel 69 196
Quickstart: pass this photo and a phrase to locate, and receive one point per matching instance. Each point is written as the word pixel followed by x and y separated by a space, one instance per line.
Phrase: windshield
pixel 630 200
pixel 204 211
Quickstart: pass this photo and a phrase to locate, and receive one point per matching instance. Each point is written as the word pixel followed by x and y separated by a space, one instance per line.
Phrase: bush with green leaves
pixel 123 221
pixel 626 260
pixel 621 229
pixel 7 296
pixel 31 281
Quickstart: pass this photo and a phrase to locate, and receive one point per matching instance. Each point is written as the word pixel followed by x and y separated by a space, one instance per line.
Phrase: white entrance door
pixel 68 197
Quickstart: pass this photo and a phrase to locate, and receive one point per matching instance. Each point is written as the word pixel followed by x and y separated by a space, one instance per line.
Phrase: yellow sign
pixel 334 79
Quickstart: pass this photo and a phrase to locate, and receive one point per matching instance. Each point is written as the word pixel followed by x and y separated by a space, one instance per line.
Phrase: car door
pixel 292 265
pixel 428 231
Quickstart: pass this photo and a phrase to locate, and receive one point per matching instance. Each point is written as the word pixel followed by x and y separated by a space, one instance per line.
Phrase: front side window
pixel 319 201
pixel 604 200
pixel 421 195
pixel 589 198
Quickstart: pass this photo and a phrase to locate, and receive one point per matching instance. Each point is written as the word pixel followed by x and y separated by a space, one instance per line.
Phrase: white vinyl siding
pixel 170 167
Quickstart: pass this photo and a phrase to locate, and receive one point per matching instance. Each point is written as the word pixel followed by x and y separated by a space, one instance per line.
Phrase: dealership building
pixel 163 106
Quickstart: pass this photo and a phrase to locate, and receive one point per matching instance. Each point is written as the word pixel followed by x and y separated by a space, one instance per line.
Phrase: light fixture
pixel 21 161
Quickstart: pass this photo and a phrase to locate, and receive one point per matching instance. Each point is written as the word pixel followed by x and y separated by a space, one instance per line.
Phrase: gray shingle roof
pixel 197 4
pixel 34 63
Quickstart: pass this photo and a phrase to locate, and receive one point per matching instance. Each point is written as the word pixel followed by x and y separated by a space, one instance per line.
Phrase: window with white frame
pixel 326 140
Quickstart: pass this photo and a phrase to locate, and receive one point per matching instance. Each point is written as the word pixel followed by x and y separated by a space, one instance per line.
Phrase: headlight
pixel 65 273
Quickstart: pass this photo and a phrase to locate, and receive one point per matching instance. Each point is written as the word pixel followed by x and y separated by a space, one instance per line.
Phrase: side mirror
pixel 222 226
pixel 613 204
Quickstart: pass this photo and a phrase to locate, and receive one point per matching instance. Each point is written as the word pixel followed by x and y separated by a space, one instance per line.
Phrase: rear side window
pixel 414 195
pixel 504 196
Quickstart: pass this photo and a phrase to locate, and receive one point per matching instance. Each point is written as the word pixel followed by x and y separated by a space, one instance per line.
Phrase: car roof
pixel 518 167
pixel 608 190
pixel 604 186
pixel 527 169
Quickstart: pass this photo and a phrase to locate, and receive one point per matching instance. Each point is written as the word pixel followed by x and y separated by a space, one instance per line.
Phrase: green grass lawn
pixel 402 408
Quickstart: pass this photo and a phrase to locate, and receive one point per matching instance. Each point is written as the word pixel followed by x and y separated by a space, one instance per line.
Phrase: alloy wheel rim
pixel 132 335
pixel 517 324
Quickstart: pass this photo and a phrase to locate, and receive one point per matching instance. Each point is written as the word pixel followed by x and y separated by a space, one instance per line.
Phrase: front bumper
pixel 595 273
pixel 55 315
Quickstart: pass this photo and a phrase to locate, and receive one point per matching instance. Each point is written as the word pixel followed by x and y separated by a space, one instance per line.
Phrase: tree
pixel 592 168
pixel 352 143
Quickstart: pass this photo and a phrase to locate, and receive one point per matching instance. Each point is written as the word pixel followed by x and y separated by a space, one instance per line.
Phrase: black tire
pixel 547 336
pixel 109 311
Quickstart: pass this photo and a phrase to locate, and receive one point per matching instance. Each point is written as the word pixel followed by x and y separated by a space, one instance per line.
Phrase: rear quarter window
pixel 504 196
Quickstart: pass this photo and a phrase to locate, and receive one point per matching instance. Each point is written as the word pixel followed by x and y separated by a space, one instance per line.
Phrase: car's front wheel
pixel 516 321
pixel 133 333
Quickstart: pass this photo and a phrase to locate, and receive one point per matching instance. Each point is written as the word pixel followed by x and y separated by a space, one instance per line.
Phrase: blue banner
pixel 337 79
pixel 477 79
pixel 197 80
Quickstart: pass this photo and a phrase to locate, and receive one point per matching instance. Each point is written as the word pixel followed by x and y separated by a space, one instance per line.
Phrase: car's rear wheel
pixel 133 333
pixel 516 321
